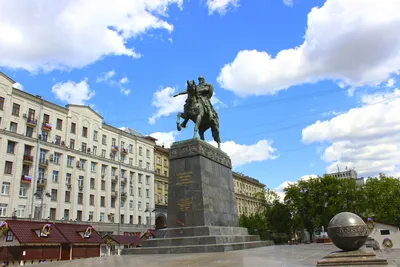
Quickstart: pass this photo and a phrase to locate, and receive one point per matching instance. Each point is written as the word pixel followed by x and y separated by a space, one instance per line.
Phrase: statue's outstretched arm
pixel 181 93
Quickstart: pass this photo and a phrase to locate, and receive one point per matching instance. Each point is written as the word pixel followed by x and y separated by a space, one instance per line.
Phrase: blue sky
pixel 301 87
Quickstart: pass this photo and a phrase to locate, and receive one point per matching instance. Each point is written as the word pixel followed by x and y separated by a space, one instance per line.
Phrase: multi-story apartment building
pixel 246 189
pixel 64 163
pixel 347 174
pixel 161 174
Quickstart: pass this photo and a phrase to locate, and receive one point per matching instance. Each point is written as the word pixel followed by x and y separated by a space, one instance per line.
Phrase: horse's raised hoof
pixel 183 125
pixel 178 127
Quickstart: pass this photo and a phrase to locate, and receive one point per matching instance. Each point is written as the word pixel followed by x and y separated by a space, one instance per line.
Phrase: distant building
pixel 347 174
pixel 246 189
pixel 161 174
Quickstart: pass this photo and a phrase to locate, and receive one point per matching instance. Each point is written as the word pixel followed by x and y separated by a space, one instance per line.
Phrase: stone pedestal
pixel 202 213
pixel 362 257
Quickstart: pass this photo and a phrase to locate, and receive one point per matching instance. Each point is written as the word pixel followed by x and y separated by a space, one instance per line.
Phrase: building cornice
pixel 39 100
pixel 247 179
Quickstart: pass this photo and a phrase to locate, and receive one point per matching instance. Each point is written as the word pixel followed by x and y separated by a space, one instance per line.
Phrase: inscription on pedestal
pixel 183 178
pixel 185 205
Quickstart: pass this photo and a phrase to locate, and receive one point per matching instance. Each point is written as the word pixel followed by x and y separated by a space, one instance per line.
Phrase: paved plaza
pixel 274 256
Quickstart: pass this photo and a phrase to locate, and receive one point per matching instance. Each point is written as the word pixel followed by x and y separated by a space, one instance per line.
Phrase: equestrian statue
pixel 198 108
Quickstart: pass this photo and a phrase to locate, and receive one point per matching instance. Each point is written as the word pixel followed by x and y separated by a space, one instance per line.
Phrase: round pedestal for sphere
pixel 348 231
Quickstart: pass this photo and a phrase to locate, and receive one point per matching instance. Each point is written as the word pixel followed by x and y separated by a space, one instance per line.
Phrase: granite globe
pixel 348 231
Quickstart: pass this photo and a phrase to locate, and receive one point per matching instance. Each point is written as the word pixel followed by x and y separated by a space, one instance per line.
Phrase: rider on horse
pixel 205 91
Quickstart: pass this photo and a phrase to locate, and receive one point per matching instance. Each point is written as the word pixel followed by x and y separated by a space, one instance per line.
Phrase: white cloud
pixel 244 154
pixel 390 83
pixel 352 42
pixel 367 137
pixel 280 189
pixel 288 3
pixel 18 86
pixel 221 6
pixel 165 138
pixel 73 93
pixel 105 76
pixel 124 90
pixel 47 35
pixel 124 80
pixel 331 113
pixel 166 104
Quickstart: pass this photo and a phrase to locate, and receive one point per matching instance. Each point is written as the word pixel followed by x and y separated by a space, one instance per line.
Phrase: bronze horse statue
pixel 195 111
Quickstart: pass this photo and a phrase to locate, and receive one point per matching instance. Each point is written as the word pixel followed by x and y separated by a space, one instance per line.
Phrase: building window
pixel 15 109
pixel 102 201
pixel 112 202
pixel 140 151
pixel 103 185
pixel 69 161
pixel 158 160
pixel 92 167
pixel 165 163
pixel 131 161
pixel 23 190
pixel 131 148
pixel 139 205
pixel 68 179
pixel 94 152
pixel 53 212
pixel 8 167
pixel 80 180
pixel 140 192
pixel 66 214
pixel 84 146
pixel 57 158
pixel 44 136
pixel 21 211
pixel 55 177
pixel 148 165
pixel 79 215
pixel 113 141
pixel 80 198
pixel 91 200
pixel 104 139
pixel 3 209
pixel 103 153
pixel 95 135
pixel 92 181
pixel 59 124
pixel 159 185
pixel 46 118
pixel 72 143
pixel 147 179
pixel 57 140
pixel 122 144
pixel 10 236
pixel 53 194
pixel 140 163
pixel 165 173
pixel 11 147
pixel 1 103
pixel 102 216
pixel 73 127
pixel 84 131
pixel 140 178
pixel 13 127
pixel 131 204
pixel 29 131
pixel 90 216
pixel 67 196
pixel 148 153
pixel 147 193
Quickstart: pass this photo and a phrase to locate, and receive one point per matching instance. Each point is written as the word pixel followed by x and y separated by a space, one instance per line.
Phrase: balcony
pixel 114 193
pixel 31 122
pixel 124 151
pixel 114 148
pixel 43 162
pixel 42 182
pixel 26 179
pixel 28 159
pixel 46 126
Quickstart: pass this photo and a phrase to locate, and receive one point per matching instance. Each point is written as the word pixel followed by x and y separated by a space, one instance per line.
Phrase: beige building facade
pixel 161 174
pixel 246 189
pixel 64 163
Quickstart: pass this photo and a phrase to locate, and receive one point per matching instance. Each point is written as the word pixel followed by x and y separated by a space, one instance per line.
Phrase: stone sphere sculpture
pixel 348 231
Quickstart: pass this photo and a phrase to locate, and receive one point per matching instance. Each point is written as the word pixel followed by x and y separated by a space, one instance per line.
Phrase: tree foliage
pixel 311 204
